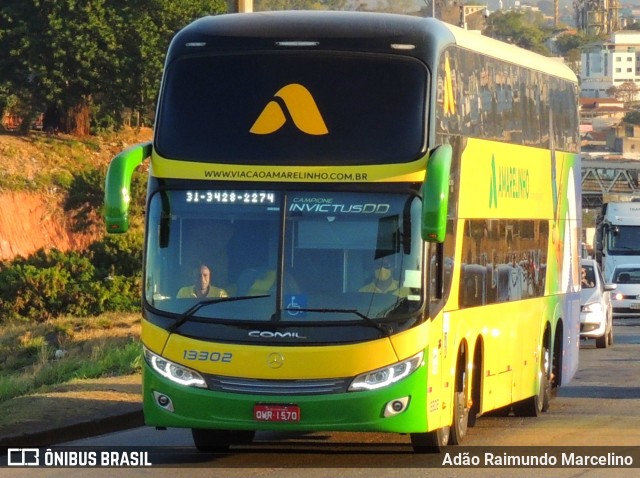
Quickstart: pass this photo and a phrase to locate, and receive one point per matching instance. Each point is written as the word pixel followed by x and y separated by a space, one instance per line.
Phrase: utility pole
pixel 239 6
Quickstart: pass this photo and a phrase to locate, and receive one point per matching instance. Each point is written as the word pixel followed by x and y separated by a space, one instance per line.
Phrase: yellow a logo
pixel 449 98
pixel 300 105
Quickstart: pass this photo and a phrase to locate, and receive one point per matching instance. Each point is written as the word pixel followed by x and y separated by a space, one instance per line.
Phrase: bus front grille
pixel 277 387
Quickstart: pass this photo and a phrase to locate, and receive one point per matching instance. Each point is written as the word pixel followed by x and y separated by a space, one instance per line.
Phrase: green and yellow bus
pixel 354 222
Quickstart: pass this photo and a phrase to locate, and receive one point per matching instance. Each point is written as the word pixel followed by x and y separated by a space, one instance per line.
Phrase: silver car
pixel 626 300
pixel 596 311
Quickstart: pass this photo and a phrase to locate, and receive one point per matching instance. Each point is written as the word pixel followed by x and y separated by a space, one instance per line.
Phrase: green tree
pixel 64 52
pixel 147 27
pixel 633 117
pixel 566 42
pixel 526 31
pixel 16 70
pixel 276 5
pixel 89 57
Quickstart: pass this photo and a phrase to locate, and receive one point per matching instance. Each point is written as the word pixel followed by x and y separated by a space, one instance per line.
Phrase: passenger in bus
pixel 202 287
pixel 264 283
pixel 383 281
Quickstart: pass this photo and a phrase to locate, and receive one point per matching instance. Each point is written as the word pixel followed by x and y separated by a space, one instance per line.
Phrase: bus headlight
pixel 174 372
pixel 386 376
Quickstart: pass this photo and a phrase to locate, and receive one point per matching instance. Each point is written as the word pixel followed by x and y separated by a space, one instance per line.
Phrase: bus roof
pixel 473 40
pixel 365 31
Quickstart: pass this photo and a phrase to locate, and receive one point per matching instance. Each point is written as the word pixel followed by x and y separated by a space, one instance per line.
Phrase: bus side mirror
pixel 435 194
pixel 118 185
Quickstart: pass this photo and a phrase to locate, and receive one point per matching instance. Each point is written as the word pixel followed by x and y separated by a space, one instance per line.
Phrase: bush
pixel 50 284
pixel 85 195
pixel 118 254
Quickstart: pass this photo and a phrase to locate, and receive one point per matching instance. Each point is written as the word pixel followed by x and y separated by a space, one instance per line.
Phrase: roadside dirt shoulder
pixel 72 410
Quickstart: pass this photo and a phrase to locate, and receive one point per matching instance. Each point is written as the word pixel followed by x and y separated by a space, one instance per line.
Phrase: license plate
pixel 634 305
pixel 276 413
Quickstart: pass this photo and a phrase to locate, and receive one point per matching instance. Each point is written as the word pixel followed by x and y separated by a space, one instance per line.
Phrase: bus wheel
pixel 534 406
pixel 476 384
pixel 211 441
pixel 460 410
pixel 460 419
pixel 431 442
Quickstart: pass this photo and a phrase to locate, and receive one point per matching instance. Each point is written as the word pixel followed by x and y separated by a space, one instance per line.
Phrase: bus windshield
pixel 243 109
pixel 290 256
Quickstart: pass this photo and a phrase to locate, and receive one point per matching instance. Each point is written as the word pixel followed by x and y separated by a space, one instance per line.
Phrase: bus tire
pixel 212 441
pixel 460 419
pixel 476 387
pixel 460 405
pixel 534 406
pixel 431 442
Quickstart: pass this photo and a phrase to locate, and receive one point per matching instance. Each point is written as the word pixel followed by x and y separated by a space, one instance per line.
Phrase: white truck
pixel 617 238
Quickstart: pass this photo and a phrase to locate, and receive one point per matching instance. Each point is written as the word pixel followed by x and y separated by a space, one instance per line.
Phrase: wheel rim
pixel 444 436
pixel 545 363
pixel 462 414
pixel 544 374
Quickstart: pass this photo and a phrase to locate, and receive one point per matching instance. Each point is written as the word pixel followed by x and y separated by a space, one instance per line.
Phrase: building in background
pixel 610 63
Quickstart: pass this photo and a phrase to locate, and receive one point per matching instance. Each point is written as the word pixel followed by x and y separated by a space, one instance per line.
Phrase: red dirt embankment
pixel 33 220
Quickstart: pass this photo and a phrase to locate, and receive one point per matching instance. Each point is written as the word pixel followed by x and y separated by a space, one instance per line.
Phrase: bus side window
pixel 473 291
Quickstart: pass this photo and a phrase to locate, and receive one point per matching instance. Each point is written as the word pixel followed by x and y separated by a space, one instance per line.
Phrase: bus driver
pixel 202 286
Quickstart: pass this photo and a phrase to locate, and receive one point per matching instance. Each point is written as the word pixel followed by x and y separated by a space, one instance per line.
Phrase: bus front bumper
pixel 167 404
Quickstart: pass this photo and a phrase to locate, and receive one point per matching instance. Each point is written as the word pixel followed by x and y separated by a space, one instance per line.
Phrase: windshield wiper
pixel 187 314
pixel 368 320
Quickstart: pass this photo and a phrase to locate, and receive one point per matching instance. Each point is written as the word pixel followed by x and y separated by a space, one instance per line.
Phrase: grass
pixel 38 162
pixel 35 356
